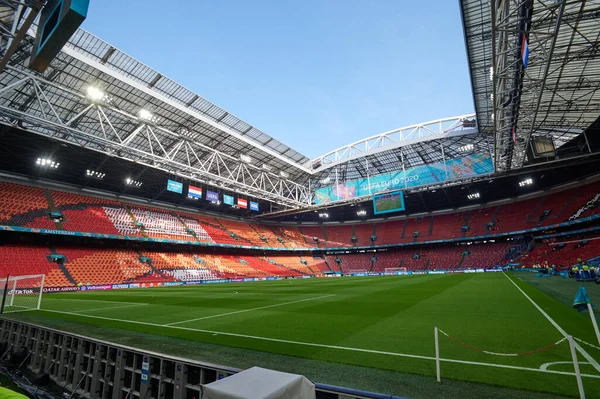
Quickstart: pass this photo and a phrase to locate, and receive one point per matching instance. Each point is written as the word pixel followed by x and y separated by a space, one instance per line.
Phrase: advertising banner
pixel 439 172
pixel 227 199
pixel 242 203
pixel 254 206
pixel 174 186
pixel 212 196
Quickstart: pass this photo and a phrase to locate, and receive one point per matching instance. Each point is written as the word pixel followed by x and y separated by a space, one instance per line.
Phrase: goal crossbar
pixel 21 293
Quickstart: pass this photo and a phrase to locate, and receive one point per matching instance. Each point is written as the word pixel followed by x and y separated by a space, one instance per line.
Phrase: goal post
pixel 395 270
pixel 21 293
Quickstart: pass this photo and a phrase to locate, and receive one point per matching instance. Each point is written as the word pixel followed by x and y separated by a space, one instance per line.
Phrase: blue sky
pixel 315 74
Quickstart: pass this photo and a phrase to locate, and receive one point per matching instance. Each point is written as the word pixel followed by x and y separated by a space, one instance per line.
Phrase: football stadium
pixel 154 245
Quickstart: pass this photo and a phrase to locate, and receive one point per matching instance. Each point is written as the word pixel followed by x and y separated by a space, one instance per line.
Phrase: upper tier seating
pixel 83 213
pixel 24 206
pixel 29 207
pixel 294 264
pixel 160 224
pixel 339 236
pixel 22 260
pixel 122 221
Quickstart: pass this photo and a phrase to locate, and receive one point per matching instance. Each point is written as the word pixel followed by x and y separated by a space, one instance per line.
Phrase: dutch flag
pixel 525 51
pixel 194 192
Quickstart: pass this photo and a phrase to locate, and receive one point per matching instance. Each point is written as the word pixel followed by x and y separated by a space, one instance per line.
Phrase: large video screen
pixel 390 202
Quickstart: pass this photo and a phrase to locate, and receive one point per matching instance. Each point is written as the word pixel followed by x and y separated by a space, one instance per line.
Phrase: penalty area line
pixel 342 348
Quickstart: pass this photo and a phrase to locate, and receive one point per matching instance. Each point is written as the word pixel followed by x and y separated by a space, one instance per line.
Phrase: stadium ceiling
pixel 534 73
pixel 97 97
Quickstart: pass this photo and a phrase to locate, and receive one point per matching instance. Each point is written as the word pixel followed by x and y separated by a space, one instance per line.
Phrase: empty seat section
pixel 294 264
pixel 160 224
pixel 267 267
pixel 478 220
pixel 83 213
pixel 22 260
pixel 272 239
pixel 310 232
pixel 317 263
pixel 182 266
pixel 356 262
pixel 564 255
pixel 246 234
pixel 24 206
pixel 363 233
pixel 390 232
pixel 512 217
pixel 213 229
pixel 420 224
pixel 292 237
pixel 339 236
pixel 103 266
pixel 195 225
pixel 231 263
pixel 484 255
pixel 446 226
pixel 122 221
pixel 554 203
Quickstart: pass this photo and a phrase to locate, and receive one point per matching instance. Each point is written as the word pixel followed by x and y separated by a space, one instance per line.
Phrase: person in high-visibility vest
pixel 585 267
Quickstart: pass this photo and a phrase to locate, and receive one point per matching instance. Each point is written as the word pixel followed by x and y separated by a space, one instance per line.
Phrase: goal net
pixel 21 293
pixel 395 270
pixel 357 271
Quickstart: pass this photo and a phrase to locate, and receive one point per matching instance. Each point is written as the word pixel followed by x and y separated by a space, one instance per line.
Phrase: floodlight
pixel 326 180
pixel 133 183
pixel 245 158
pixel 526 182
pixel 324 215
pixel 467 147
pixel 362 212
pixel 145 115
pixel 266 167
pixel 46 162
pixel 284 174
pixel 473 196
pixel 94 94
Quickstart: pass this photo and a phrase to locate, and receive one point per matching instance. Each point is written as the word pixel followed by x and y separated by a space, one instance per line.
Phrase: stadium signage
pixel 228 199
pixel 174 186
pixel 60 289
pixel 194 192
pixel 120 286
pixel 254 206
pixel 212 196
pixel 96 287
pixel 438 172
pixel 242 203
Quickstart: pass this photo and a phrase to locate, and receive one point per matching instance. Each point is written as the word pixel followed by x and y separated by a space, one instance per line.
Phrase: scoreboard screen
pixel 390 202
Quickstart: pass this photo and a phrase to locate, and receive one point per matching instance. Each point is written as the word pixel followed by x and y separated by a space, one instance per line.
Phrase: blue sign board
pixel 452 169
pixel 254 206
pixel 212 196
pixel 174 186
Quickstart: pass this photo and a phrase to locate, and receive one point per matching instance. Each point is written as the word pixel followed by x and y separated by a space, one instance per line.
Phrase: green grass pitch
pixel 378 324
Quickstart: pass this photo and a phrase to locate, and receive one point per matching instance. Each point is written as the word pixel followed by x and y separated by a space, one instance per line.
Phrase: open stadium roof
pixel 95 96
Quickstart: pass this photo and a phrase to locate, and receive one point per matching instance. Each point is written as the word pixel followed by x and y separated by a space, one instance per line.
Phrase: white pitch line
pixel 248 310
pixel 87 300
pixel 113 307
pixel 586 355
pixel 345 348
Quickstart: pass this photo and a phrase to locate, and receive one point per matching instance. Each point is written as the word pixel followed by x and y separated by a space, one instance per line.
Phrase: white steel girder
pixel 101 127
pixel 433 130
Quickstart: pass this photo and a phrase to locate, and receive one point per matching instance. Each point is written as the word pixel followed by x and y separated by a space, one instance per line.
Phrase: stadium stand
pixel 339 236
pixel 83 213
pixel 24 206
pixel 106 266
pixel 310 232
pixel 160 224
pixel 363 233
pixel 562 253
pixel 19 260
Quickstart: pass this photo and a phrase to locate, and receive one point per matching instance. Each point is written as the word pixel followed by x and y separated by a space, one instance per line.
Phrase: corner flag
pixel 581 299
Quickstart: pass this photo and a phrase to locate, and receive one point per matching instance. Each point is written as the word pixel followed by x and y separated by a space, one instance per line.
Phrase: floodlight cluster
pixel 47 163
pixel 362 212
pixel 323 215
pixel 95 174
pixel 473 196
pixel 526 182
pixel 130 182
pixel 465 148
